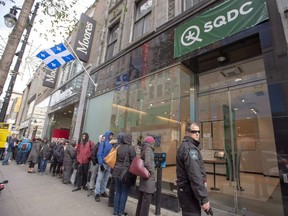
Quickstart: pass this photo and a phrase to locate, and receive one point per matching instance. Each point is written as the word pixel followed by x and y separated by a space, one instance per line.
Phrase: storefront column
pixel 82 106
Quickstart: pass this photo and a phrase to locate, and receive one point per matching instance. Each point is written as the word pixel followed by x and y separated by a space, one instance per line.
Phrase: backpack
pixel 94 157
pixel 24 146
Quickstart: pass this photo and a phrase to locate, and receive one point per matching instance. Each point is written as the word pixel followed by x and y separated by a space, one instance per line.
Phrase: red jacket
pixel 84 152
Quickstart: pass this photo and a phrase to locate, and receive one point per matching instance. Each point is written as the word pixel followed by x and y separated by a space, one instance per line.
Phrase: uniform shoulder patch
pixel 194 154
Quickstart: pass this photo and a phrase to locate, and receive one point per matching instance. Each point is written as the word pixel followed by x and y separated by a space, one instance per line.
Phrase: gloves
pixel 102 168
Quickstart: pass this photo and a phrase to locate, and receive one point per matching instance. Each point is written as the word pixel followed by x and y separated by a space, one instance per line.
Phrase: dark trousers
pixel 55 166
pixel 31 164
pixel 21 157
pixel 143 205
pixel 39 163
pixel 189 204
pixel 82 174
pixel 111 192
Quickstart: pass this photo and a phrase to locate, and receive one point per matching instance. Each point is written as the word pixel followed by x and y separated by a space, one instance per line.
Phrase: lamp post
pixel 10 21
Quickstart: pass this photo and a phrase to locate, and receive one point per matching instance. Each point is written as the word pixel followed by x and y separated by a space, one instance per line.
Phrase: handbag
pixel 110 159
pixel 137 168
pixel 125 176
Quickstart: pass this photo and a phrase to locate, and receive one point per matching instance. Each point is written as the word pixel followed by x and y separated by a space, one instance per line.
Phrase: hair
pixel 189 124
pixel 86 138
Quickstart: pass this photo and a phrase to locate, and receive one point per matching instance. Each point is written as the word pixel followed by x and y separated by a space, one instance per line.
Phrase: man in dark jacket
pixel 83 158
pixel 191 175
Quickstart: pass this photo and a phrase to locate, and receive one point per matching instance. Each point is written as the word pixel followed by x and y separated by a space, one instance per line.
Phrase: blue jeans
pixel 6 158
pixel 102 180
pixel 21 157
pixel 120 197
pixel 43 165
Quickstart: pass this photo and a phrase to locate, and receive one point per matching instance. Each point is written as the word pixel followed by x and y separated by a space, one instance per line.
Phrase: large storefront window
pixel 235 117
pixel 158 106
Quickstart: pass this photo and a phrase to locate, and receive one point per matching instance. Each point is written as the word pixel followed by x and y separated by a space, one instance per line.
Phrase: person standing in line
pixel 103 170
pixel 94 166
pixel 146 186
pixel 69 156
pixel 34 154
pixel 23 149
pixel 191 175
pixel 43 143
pixel 46 155
pixel 9 151
pixel 84 152
pixel 125 155
pixel 57 159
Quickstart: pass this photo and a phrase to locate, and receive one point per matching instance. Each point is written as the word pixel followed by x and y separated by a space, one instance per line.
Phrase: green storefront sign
pixel 222 21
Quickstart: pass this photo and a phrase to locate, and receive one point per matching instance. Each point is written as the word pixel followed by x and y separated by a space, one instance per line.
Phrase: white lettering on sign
pixel 50 77
pixel 84 44
pixel 59 96
pixel 230 16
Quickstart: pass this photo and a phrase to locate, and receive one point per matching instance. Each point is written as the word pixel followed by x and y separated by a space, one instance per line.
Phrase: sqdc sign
pixel 222 21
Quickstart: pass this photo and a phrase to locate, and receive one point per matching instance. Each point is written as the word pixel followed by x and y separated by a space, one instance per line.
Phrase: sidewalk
pixel 35 195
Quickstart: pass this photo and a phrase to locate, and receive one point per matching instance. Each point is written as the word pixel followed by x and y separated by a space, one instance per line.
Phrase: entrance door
pixel 235 117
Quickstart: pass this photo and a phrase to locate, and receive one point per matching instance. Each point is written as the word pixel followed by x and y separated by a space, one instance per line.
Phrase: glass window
pixel 235 118
pixel 30 109
pixel 143 18
pixel 112 41
pixel 114 2
pixel 189 3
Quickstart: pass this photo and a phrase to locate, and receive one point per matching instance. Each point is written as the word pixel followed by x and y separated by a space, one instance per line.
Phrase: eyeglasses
pixel 194 131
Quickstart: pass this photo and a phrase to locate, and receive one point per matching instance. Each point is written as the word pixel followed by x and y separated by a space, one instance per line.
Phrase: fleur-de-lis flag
pixel 56 56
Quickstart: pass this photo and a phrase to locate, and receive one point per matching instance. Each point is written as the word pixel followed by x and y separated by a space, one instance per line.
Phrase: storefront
pixel 223 84
pixel 63 109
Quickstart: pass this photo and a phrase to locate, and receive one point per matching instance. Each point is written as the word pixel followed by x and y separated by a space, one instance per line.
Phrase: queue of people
pixel 72 162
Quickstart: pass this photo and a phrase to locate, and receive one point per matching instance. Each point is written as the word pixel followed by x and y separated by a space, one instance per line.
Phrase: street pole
pixel 17 66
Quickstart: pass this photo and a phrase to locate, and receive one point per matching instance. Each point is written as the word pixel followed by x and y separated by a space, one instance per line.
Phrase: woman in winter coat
pixel 69 156
pixel 146 186
pixel 34 154
pixel 125 154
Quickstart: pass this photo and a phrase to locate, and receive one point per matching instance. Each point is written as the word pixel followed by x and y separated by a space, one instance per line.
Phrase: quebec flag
pixel 55 56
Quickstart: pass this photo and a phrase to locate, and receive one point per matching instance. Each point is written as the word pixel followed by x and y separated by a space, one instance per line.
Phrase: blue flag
pixel 55 56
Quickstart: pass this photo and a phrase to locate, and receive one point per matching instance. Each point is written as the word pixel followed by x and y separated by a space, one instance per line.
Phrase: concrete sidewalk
pixel 35 195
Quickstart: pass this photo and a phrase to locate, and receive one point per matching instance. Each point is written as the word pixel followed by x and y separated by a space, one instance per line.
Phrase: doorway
pixel 235 117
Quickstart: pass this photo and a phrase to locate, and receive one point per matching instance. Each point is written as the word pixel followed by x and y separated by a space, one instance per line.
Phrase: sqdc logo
pixel 191 35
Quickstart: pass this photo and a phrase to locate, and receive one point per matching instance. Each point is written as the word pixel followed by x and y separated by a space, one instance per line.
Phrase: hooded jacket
pixel 104 148
pixel 125 148
pixel 28 145
pixel 147 154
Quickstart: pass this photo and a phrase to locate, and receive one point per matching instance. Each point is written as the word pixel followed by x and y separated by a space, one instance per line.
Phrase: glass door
pixel 234 113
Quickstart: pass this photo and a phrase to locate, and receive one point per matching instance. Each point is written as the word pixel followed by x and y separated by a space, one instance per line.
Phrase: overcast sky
pixel 35 43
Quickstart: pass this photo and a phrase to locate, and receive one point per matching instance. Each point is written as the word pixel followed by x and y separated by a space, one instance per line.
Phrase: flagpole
pixel 95 84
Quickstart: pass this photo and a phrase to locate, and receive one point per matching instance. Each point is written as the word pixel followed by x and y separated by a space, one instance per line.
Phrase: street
pixel 36 195
pixel 29 194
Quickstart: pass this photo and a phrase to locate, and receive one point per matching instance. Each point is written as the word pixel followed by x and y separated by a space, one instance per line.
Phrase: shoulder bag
pixel 126 177
pixel 110 159
pixel 137 167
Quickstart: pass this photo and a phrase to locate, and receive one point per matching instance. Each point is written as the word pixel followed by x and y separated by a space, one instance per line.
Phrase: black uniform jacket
pixel 190 169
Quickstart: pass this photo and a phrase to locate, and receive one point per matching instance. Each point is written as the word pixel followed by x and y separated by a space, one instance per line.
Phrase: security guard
pixel 191 175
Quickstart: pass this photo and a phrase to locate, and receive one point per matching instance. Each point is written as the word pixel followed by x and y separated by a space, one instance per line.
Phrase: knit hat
pixel 149 139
